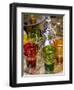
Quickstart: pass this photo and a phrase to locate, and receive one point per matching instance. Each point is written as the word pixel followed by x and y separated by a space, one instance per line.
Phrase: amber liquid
pixel 59 50
pixel 59 60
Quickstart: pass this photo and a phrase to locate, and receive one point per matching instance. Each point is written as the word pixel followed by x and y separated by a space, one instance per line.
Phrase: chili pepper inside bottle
pixel 48 48
pixel 30 52
pixel 31 49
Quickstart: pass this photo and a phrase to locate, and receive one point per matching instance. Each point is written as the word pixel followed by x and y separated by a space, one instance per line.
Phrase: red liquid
pixel 30 53
pixel 31 63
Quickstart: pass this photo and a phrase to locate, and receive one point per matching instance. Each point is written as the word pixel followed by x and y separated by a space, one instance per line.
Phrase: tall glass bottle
pixel 48 48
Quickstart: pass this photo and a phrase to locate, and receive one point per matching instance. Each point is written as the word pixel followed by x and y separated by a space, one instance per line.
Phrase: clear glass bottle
pixel 48 47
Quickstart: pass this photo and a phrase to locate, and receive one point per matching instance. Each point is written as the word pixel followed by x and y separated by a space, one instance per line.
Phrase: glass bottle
pixel 48 47
pixel 58 43
pixel 30 49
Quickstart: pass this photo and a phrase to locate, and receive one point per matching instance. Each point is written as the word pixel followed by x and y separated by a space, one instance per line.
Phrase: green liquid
pixel 49 68
pixel 49 58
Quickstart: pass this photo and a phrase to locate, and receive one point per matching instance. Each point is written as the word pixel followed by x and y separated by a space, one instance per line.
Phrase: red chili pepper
pixel 30 49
